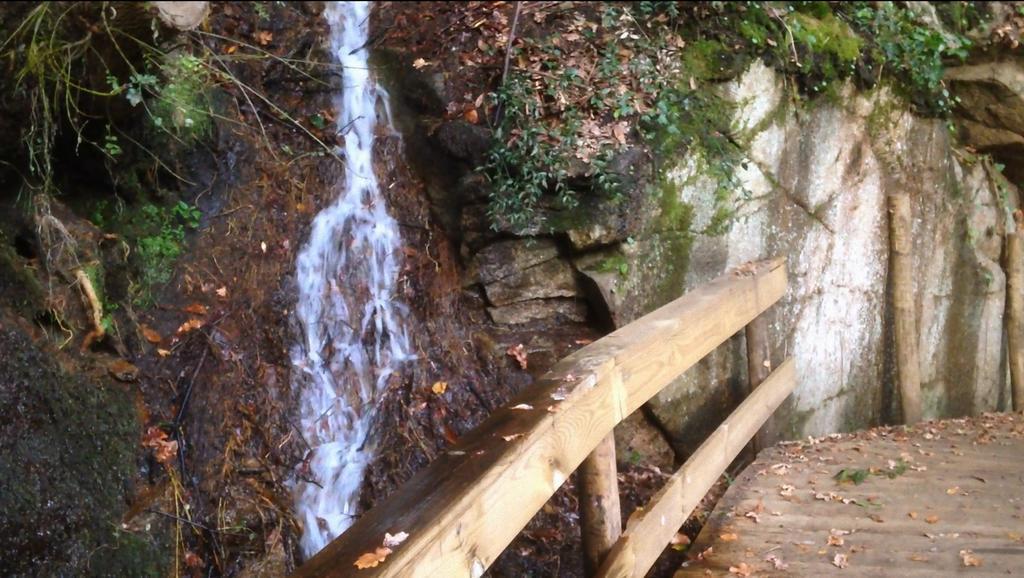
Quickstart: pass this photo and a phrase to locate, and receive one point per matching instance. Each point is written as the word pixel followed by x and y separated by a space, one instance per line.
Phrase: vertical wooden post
pixel 1015 313
pixel 600 512
pixel 758 366
pixel 902 277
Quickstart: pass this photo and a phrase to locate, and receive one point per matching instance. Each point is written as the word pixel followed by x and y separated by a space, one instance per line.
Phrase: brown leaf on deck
pixel 372 559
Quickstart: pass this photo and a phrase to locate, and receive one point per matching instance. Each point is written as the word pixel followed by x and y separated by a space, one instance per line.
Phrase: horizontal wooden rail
pixel 648 532
pixel 464 508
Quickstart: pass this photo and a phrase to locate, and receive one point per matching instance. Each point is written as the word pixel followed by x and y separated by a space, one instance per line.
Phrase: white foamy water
pixel 353 336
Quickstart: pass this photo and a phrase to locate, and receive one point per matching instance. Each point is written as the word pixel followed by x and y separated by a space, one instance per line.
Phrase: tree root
pixel 92 302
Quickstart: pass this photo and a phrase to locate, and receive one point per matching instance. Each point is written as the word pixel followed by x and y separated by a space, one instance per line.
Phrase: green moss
pixel 675 214
pixel 825 34
pixel 614 264
pixel 711 60
pixel 18 283
pixel 67 449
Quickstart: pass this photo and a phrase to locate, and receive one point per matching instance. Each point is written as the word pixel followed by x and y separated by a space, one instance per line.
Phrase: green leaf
pixel 851 475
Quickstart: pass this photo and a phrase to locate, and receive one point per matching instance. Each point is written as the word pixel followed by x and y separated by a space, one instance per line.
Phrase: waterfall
pixel 352 333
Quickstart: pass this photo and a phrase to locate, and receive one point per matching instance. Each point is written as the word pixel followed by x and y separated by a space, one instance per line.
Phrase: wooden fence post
pixel 1015 313
pixel 902 278
pixel 600 512
pixel 758 366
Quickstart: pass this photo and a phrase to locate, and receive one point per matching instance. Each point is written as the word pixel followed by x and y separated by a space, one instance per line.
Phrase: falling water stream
pixel 353 336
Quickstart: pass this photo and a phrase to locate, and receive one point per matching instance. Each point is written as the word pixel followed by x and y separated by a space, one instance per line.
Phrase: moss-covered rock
pixel 67 448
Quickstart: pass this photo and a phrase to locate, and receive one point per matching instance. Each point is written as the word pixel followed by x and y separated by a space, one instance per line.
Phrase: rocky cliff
pixel 812 188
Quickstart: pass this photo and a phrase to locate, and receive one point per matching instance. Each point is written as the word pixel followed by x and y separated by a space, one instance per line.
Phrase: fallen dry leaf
pixel 518 352
pixel 840 561
pixel 679 542
pixel 392 540
pixel 728 537
pixel 834 540
pixel 786 490
pixel 264 37
pixel 953 490
pixel 969 559
pixel 192 560
pixel 419 63
pixel 189 326
pixel 439 387
pixel 776 562
pixel 163 352
pixel 195 309
pixel 123 370
pixel 522 406
pixel 222 292
pixel 164 450
pixel 471 116
pixel 743 569
pixel 150 334
pixel 372 559
pixel 619 132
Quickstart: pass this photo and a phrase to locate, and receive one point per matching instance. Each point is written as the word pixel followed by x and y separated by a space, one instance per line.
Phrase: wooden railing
pixel 464 508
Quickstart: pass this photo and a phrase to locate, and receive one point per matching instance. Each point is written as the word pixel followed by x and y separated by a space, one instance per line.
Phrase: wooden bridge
pixel 455 517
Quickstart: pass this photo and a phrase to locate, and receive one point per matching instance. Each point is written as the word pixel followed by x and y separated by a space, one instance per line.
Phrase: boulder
pixel 990 114
pixel 504 259
pixel 536 309
pixel 67 454
pixel 464 141
pixel 552 278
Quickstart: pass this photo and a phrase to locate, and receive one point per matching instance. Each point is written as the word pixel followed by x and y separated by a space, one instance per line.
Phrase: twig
pixel 229 211
pixel 188 390
pixel 511 37
pixel 792 41
pixel 180 519
pixel 508 55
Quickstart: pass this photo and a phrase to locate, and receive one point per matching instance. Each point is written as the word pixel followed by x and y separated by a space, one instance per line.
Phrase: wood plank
pixel 600 511
pixel 960 491
pixel 1015 316
pixel 758 366
pixel 464 509
pixel 652 528
pixel 908 368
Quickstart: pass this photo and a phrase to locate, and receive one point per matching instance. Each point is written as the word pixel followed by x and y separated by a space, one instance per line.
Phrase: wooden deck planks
pixel 963 489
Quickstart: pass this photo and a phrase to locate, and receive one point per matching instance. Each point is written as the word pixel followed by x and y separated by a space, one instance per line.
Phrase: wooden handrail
pixel 650 530
pixel 464 508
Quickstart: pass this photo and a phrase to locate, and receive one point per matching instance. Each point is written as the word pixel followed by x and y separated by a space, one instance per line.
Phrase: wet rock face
pixel 816 178
pixel 67 448
pixel 990 115
pixel 818 183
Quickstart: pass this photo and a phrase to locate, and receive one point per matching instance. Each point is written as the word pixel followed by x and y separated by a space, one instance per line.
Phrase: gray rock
pixel 552 278
pixel 465 141
pixel 506 258
pixel 533 310
pixel 990 115
pixel 817 185
pixel 593 235
pixel 637 441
